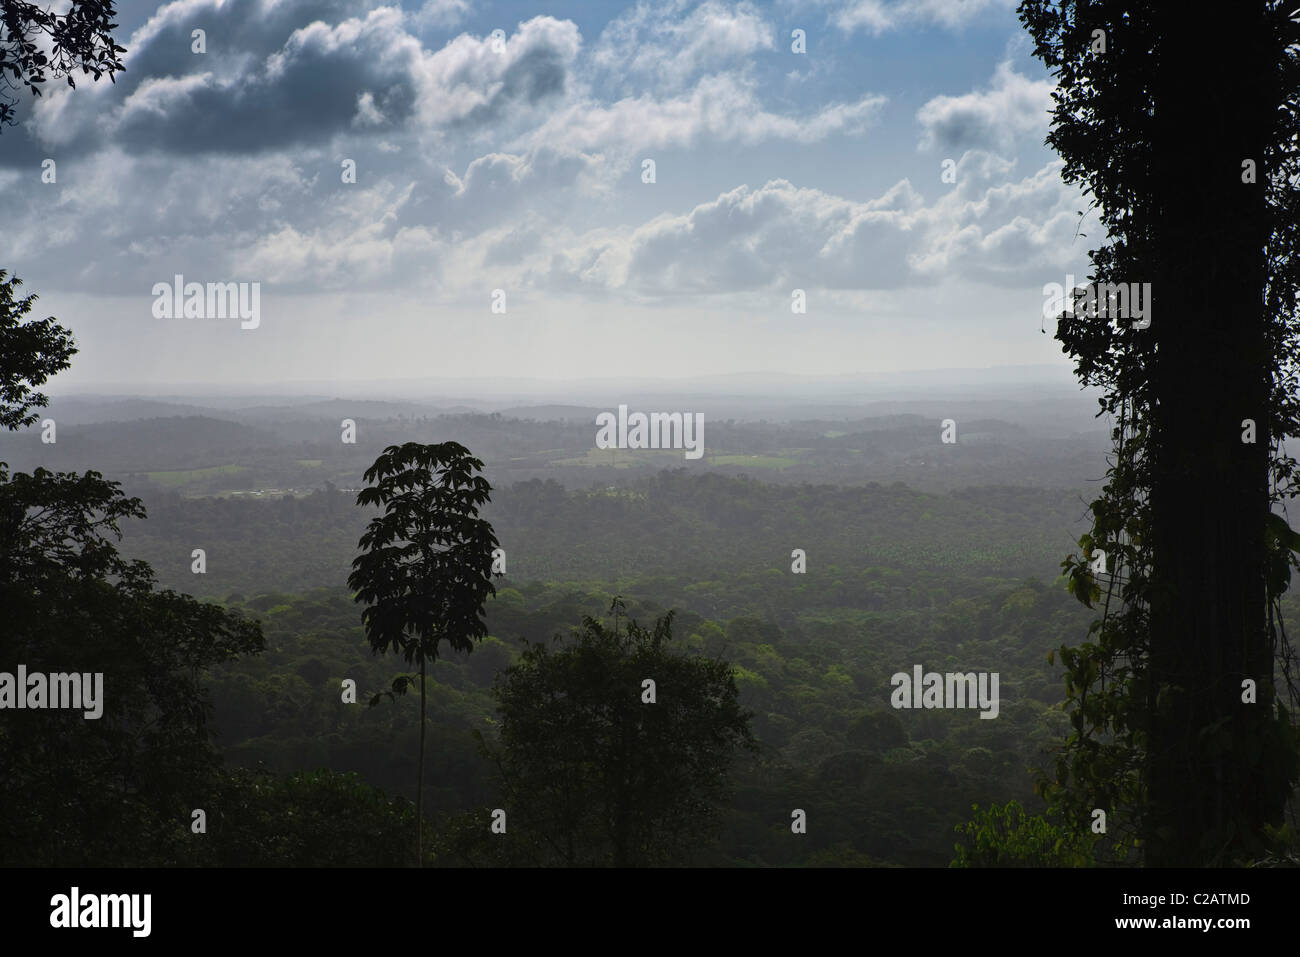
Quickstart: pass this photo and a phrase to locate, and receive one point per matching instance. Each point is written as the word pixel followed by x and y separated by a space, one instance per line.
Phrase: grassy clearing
pixel 177 478
pixel 755 461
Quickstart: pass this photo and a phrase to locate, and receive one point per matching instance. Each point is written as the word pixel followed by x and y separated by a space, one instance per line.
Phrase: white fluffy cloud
pixel 783 236
pixel 470 81
pixel 720 108
pixel 1013 108
pixel 441 13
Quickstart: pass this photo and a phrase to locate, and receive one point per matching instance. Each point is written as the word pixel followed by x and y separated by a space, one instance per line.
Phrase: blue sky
pixel 518 166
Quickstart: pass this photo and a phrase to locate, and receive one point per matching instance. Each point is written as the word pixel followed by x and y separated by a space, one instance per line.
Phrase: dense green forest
pixel 726 540
pixel 960 580
pixel 880 786
pixel 257 449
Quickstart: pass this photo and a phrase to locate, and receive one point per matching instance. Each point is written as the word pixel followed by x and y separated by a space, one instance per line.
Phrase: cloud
pixel 993 229
pixel 480 161
pixel 1014 107
pixel 529 219
pixel 270 80
pixel 511 245
pixel 667 45
pixel 304 92
pixel 776 235
pixel 498 186
pixel 878 16
pixel 317 74
pixel 781 236
pixel 469 82
pixel 128 220
pixel 721 108
pixel 441 13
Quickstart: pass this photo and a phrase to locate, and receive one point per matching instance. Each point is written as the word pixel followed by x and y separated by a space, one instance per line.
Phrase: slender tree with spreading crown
pixel 425 568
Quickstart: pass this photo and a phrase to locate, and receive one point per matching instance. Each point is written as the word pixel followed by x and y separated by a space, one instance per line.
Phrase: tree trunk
pixel 1209 490
pixel 419 792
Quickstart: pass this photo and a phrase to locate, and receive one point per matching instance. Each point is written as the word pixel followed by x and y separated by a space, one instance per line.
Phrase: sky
pixel 503 221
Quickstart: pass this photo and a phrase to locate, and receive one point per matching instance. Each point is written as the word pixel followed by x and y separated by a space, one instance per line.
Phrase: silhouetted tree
pixel 425 567
pixel 594 772
pixel 30 352
pixel 115 789
pixel 118 788
pixel 80 38
pixel 1183 131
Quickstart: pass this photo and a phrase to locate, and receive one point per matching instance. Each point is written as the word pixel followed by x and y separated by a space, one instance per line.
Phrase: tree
pixel 600 768
pixel 308 819
pixel 116 789
pixel 81 38
pixel 1005 836
pixel 30 352
pixel 425 568
pixel 1188 152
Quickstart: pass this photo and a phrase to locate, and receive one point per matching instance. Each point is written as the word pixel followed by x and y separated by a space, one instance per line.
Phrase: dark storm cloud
pixel 236 27
pixel 298 73
pixel 312 93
